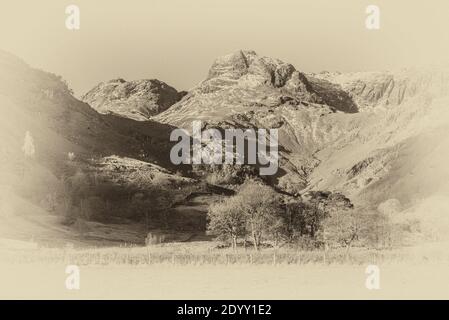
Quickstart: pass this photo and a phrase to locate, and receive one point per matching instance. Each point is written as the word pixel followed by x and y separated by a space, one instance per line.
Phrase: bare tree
pixel 227 220
pixel 260 205
pixel 28 146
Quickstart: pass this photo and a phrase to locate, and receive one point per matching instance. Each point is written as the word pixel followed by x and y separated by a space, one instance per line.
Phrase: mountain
pixel 375 136
pixel 244 81
pixel 380 138
pixel 138 100
pixel 88 172
pixel 42 103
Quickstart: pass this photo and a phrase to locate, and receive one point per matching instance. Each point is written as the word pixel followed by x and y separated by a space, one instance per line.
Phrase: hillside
pixel 86 166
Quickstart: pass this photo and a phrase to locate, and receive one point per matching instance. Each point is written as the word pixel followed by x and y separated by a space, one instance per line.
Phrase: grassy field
pixel 207 253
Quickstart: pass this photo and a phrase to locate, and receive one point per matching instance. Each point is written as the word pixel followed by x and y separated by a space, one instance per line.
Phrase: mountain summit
pixel 138 100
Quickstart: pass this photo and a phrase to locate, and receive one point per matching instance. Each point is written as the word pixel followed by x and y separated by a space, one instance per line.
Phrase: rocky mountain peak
pixel 138 99
pixel 244 81
pixel 247 64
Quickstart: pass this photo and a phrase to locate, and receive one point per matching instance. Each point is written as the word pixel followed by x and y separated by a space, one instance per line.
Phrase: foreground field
pixel 397 281
pixel 179 271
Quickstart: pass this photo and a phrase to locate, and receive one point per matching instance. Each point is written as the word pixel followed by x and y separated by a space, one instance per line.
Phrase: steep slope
pixel 71 171
pixel 40 102
pixel 136 100
pixel 404 119
pixel 399 153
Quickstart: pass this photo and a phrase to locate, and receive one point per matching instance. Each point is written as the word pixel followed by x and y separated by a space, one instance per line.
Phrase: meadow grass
pixel 205 254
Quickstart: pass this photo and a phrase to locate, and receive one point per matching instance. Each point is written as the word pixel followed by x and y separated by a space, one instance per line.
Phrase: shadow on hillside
pixel 151 141
pixel 333 95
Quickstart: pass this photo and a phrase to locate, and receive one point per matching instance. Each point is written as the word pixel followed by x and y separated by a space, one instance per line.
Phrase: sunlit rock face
pixel 138 100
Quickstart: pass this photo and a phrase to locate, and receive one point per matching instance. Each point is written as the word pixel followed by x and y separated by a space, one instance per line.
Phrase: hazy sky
pixel 177 40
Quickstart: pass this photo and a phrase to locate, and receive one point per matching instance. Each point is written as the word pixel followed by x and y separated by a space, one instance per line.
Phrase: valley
pixel 102 173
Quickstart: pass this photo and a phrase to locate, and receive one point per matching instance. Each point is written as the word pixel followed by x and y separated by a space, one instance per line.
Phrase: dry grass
pixel 204 253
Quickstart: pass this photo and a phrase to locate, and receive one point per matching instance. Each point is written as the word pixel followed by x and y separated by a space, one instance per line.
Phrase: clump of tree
pixel 307 219
pixel 316 219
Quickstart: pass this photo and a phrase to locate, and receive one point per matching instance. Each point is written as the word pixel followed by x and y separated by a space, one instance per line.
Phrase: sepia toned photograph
pixel 224 150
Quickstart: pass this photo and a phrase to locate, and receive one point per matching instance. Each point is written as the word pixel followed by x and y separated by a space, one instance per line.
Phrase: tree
pixel 379 231
pixel 255 210
pixel 343 227
pixel 328 226
pixel 227 220
pixel 28 150
pixel 306 217
pixel 260 205
pixel 313 215
pixel 296 219
pixel 28 146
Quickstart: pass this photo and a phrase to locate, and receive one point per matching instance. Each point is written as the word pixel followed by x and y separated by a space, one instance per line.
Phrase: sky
pixel 176 41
